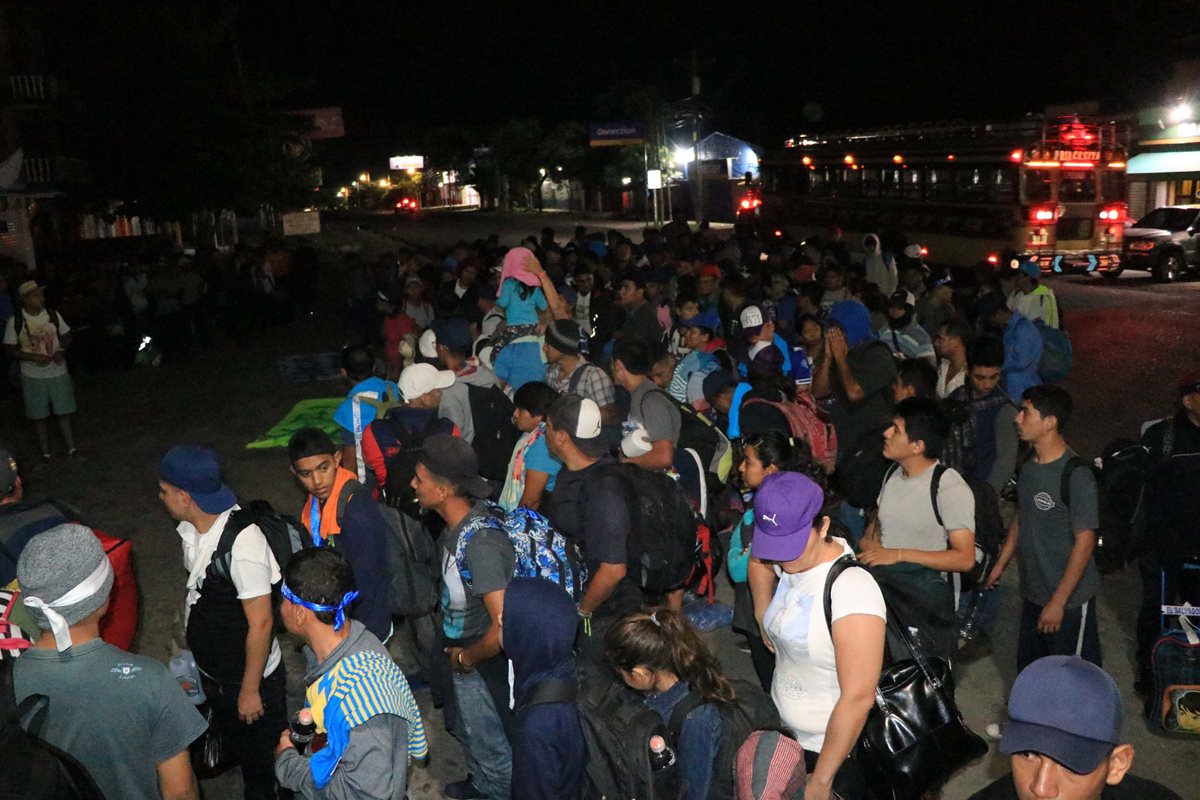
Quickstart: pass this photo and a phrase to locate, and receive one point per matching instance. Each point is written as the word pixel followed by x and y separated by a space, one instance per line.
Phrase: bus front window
pixel 1077 186
pixel 1039 184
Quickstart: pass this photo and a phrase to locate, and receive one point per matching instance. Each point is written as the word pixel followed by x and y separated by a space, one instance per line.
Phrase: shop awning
pixel 1180 162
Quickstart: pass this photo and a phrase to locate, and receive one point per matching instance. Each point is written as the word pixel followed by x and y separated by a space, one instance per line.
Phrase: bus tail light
pixel 1016 156
pixel 778 234
pixel 1113 213
pixel 993 259
pixel 924 252
pixel 1041 214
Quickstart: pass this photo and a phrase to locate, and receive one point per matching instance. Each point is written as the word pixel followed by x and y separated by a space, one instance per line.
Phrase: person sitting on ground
pixel 826 668
pixel 1032 298
pixel 549 749
pixel 698 335
pixel 653 424
pixel 686 307
pixel 357 695
pixel 727 398
pixel 120 715
pixel 339 512
pixel 657 652
pixel 903 334
pixel 663 369
pixel 951 342
pixel 1070 750
pixel 532 470
pixel 569 372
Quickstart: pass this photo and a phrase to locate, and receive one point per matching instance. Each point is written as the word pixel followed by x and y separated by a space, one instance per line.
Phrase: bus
pixel 1051 191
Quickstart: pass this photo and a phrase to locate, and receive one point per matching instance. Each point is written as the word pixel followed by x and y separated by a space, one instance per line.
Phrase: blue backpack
pixel 1057 357
pixel 541 551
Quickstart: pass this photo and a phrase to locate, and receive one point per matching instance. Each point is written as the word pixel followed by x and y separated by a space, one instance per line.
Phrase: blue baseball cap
pixel 1078 734
pixel 1030 269
pixel 196 471
pixel 784 509
pixel 454 333
pixel 708 320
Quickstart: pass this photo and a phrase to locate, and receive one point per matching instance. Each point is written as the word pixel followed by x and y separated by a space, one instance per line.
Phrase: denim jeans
pixel 979 609
pixel 485 745
pixel 855 519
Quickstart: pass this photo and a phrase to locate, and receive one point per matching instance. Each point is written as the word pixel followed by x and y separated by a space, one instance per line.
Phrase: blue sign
pixel 612 134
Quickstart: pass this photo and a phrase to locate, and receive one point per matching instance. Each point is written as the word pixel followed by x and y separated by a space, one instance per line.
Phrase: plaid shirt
pixel 594 383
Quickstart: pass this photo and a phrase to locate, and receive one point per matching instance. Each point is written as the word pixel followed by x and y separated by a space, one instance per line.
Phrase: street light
pixel 364 177
pixel 1181 113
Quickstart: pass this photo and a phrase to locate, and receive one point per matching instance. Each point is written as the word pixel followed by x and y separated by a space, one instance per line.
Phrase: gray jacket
pixel 375 763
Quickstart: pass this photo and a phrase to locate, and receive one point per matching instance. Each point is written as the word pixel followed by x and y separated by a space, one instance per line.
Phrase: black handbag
pixel 914 738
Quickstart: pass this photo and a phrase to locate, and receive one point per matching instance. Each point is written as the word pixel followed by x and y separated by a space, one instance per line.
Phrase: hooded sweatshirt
pixel 549 751
pixel 880 272
pixel 371 721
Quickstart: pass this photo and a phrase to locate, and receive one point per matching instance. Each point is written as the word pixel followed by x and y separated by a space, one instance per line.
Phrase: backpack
pixel 285 535
pixel 495 435
pixel 401 447
pixel 661 546
pixel 989 525
pixel 618 727
pixel 541 551
pixel 411 556
pixel 1057 357
pixel 1121 500
pixel 698 433
pixel 807 423
pixel 119 624
pixel 34 769
pixel 751 710
pixel 19 321
pixel 12 639
pixel 859 478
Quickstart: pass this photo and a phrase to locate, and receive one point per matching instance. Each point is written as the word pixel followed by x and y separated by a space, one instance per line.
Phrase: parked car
pixel 407 205
pixel 1165 243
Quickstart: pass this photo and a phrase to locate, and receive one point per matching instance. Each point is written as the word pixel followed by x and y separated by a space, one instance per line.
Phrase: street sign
pixel 654 179
pixel 614 134
pixel 301 223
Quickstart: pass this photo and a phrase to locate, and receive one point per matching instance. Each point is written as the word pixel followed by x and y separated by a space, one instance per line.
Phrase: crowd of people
pixel 860 444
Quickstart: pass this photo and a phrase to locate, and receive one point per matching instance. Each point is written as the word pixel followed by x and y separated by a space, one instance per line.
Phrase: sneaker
pixel 463 790
pixel 977 647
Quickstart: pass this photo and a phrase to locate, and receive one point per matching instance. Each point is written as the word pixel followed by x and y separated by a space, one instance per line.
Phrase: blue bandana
pixel 340 609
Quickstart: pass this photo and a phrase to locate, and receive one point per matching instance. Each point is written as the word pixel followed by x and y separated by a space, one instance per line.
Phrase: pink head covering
pixel 516 265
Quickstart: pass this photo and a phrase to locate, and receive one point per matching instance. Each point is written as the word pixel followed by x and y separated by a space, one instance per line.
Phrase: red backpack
pixel 809 423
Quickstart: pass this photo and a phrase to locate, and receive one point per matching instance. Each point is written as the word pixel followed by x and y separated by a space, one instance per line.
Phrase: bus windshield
pixel 1168 219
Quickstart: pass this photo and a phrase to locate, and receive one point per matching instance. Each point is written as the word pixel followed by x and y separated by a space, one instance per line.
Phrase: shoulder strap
pixel 679 715
pixel 1064 487
pixel 841 565
pixel 577 376
pixel 348 490
pixel 557 690
pixel 237 522
pixel 1168 440
pixel 935 482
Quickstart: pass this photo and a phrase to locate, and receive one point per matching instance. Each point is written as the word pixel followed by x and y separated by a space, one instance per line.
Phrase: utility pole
pixel 698 195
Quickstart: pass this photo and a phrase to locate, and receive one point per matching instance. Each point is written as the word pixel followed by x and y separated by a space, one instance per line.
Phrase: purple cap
pixel 784 509
pixel 1078 734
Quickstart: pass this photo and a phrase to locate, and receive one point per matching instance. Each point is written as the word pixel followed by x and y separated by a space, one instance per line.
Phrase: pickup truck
pixel 1165 242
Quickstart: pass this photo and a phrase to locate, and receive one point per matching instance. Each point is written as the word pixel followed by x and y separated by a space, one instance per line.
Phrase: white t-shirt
pixel 944 386
pixel 38 336
pixel 805 688
pixel 253 567
pixel 906 516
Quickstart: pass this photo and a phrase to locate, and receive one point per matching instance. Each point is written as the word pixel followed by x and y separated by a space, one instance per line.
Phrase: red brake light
pixel 1017 155
pixel 778 234
pixel 1042 214
pixel 745 204
pixel 993 259
pixel 924 251
pixel 1113 212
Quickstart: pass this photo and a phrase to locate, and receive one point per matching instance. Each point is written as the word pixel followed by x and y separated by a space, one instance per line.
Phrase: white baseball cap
pixel 421 379
pixel 427 344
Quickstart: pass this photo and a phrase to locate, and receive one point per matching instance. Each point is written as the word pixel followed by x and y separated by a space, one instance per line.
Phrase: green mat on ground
pixel 315 413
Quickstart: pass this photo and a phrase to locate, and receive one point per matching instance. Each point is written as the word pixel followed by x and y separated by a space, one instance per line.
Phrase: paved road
pixel 1132 339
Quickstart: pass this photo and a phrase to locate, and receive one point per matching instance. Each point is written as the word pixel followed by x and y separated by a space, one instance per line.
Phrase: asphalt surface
pixel 1132 339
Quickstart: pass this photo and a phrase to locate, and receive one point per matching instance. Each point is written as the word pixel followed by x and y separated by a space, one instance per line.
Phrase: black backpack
pixel 989 525
pixel 285 536
pixel 402 458
pixel 752 710
pixel 698 433
pixel 495 435
pixel 618 728
pixel 1121 494
pixel 859 477
pixel 33 768
pixel 661 547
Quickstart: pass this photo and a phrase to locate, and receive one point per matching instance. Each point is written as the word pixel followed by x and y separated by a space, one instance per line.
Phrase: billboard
pixel 301 223
pixel 402 163
pixel 613 134
pixel 327 122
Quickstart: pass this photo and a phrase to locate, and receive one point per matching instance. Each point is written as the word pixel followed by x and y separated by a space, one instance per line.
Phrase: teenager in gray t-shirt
pixel 1048 528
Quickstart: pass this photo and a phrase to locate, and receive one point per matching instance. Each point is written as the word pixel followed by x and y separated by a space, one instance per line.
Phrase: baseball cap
pixel 421 379
pixel 1187 384
pixel 708 320
pixel 784 510
pixel 716 382
pixel 710 271
pixel 1078 734
pixel 196 471
pixel 901 298
pixel 1030 269
pixel 453 459
pixel 453 333
pixel 8 472
pixel 912 251
pixel 28 287
pixel 65 577
pixel 427 343
pixel 581 418
pixel 770 766
pixel 752 319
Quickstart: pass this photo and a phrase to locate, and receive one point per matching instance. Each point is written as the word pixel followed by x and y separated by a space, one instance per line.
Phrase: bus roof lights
pixel 1042 164
pixel 1017 156
pixel 1078 165
pixel 897 159
pixel 849 158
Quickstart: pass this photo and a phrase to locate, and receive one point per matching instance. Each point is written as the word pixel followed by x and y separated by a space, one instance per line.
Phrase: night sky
pixel 768 71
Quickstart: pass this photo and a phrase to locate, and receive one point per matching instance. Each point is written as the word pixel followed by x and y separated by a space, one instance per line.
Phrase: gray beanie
pixel 55 563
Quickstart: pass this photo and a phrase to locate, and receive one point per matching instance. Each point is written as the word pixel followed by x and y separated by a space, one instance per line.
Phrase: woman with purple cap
pixel 826 670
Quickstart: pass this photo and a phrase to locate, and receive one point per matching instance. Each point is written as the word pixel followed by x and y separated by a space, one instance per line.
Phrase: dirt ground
pixel 233 393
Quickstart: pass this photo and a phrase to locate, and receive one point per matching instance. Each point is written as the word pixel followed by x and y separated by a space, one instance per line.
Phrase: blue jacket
pixel 1022 352
pixel 548 748
pixel 698 742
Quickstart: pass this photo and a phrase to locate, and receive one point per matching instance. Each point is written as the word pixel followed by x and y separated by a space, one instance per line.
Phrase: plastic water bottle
pixel 663 770
pixel 302 730
pixel 183 667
